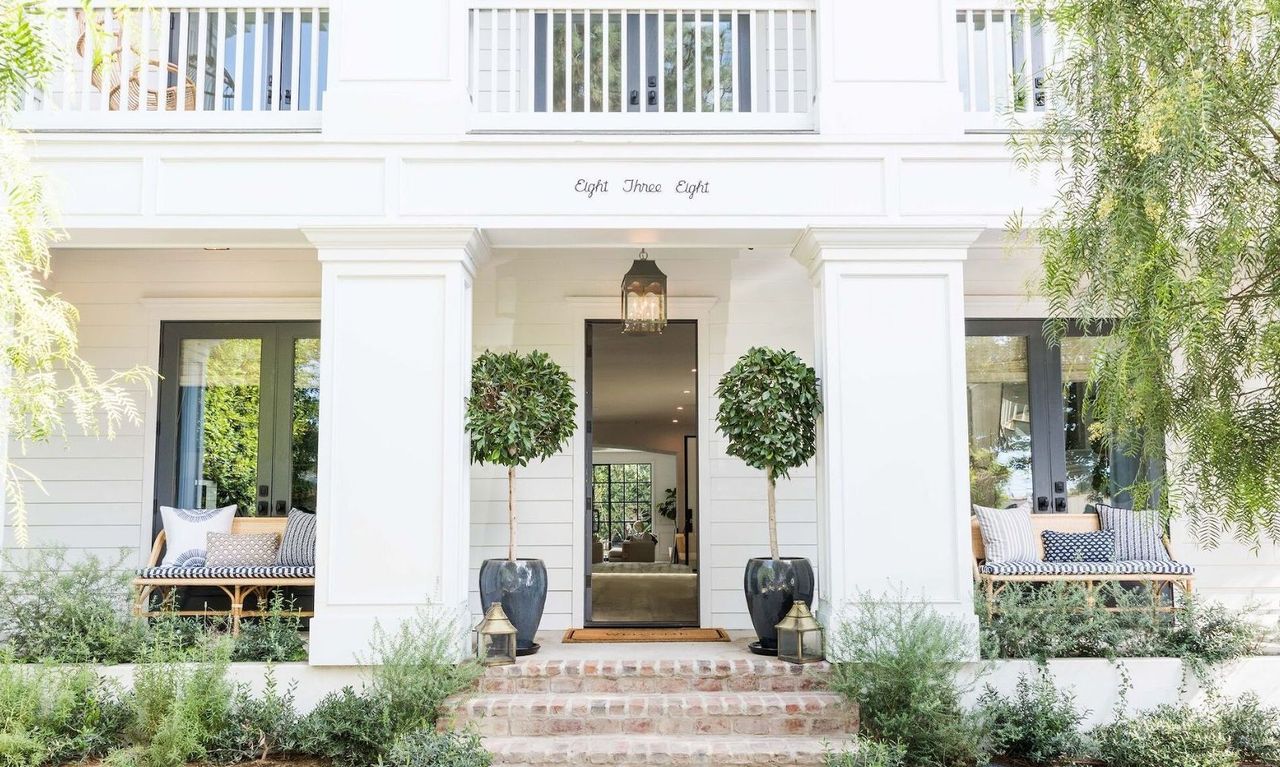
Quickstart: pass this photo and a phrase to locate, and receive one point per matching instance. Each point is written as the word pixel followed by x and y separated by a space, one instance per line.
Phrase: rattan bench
pixel 237 583
pixel 993 583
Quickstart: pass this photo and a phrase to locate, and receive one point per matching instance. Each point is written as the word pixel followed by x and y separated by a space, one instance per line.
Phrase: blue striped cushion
pixel 1095 546
pixel 1007 535
pixel 1139 534
pixel 239 571
pixel 1150 567
pixel 298 546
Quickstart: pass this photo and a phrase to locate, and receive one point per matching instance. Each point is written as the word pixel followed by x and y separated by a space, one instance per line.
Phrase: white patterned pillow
pixel 242 549
pixel 298 549
pixel 1007 535
pixel 186 533
pixel 1139 534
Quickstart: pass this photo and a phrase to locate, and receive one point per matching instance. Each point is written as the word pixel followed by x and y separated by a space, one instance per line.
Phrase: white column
pixel 394 470
pixel 892 456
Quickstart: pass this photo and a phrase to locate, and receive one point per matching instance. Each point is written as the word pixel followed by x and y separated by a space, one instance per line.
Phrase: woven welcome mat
pixel 645 635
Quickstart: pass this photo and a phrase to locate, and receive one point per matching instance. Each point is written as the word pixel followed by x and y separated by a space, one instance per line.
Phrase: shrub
pixel 1059 620
pixel 180 712
pixel 1251 729
pixel 864 752
pixel 346 728
pixel 273 638
pixel 19 749
pixel 1165 736
pixel 428 748
pixel 72 714
pixel 52 609
pixel 416 668
pixel 898 661
pixel 257 727
pixel 1039 724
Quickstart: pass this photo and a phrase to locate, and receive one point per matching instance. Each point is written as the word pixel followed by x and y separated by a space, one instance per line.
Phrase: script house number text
pixel 688 188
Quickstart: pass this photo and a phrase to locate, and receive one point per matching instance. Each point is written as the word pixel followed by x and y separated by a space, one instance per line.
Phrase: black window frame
pixel 607 517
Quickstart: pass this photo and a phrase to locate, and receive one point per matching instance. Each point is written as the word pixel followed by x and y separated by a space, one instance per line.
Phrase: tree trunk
pixel 511 512
pixel 773 514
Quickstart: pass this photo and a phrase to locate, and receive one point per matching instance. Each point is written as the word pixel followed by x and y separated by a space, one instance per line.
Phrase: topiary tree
pixel 521 408
pixel 769 407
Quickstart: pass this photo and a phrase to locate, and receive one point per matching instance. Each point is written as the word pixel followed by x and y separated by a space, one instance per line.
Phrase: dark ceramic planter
pixel 521 587
pixel 772 586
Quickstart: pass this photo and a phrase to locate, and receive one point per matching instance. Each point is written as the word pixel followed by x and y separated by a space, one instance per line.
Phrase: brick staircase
pixel 724 712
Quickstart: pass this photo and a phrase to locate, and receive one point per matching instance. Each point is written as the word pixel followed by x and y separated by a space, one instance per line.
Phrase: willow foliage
pixel 44 383
pixel 1164 130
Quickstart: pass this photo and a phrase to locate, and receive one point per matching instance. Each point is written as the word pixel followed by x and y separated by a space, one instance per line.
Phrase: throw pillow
pixel 298 549
pixel 1095 546
pixel 186 533
pixel 1139 533
pixel 242 549
pixel 1007 535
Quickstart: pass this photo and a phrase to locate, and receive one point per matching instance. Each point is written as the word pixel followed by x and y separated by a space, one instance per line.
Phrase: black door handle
pixel 1059 504
pixel 1042 503
pixel 263 508
pixel 280 507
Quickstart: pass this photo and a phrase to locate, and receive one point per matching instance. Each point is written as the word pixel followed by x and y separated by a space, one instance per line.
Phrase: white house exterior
pixel 838 188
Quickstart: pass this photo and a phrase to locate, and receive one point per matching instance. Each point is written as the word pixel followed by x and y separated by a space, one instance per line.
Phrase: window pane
pixel 999 420
pixel 219 394
pixel 305 427
pixel 1088 464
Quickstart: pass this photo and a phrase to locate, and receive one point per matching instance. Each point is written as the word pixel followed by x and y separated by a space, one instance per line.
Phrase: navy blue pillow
pixel 1097 546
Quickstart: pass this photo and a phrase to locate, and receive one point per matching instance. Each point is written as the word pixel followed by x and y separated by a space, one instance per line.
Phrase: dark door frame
pixel 588 444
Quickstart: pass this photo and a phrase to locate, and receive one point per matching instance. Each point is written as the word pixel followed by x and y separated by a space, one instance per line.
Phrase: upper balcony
pixel 199 65
pixel 1003 53
pixel 631 65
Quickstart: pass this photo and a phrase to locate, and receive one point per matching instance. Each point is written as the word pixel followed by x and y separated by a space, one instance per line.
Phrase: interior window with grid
pixel 622 500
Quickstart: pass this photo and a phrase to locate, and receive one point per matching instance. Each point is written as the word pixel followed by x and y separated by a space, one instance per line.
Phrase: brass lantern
pixel 644 298
pixel 799 636
pixel 496 638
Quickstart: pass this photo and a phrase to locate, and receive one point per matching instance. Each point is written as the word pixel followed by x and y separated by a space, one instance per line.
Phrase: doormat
pixel 645 635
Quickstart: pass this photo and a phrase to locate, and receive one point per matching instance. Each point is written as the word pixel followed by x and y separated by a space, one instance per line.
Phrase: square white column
pixel 394 467
pixel 893 447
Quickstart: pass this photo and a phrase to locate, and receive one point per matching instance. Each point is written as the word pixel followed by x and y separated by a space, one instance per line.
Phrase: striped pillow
pixel 298 548
pixel 1139 534
pixel 1007 535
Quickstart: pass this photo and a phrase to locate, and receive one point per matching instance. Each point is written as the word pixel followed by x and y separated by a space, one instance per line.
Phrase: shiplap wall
pixel 94 502
pixel 762 298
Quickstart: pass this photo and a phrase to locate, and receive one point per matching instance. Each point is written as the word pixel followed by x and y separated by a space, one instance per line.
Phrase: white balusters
pixel 1004 55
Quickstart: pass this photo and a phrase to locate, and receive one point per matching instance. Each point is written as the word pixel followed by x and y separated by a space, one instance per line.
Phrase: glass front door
pixel 239 414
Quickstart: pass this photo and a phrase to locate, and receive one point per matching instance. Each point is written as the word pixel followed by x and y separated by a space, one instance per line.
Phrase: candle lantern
pixel 644 298
pixel 496 638
pixel 799 636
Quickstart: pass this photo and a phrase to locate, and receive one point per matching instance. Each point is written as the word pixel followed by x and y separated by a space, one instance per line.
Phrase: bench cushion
pixel 214 573
pixel 1130 567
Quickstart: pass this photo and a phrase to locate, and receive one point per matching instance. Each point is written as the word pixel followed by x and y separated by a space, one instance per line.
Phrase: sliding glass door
pixel 1031 440
pixel 239 416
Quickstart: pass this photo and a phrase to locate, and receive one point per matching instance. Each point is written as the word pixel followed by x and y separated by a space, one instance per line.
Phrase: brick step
pixel 807 713
pixel 721 751
pixel 663 676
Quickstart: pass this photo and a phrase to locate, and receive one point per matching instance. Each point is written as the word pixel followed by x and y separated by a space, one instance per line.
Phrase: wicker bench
pixel 238 583
pixel 995 578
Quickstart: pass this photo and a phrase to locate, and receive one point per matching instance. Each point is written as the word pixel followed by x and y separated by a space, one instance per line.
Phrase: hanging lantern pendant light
pixel 644 298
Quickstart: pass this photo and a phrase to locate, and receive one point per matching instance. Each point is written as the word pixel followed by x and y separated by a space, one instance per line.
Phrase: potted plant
pixel 521 408
pixel 769 407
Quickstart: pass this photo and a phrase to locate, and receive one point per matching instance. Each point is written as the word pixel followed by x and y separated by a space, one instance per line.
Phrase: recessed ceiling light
pixel 679 407
pixel 675 420
pixel 686 391
pixel 693 370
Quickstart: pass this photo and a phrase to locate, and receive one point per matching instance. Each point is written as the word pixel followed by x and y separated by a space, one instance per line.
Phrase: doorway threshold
pixel 628 635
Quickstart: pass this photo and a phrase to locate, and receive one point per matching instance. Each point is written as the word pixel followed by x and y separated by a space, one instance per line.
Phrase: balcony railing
pixel 634 66
pixel 1003 54
pixel 192 66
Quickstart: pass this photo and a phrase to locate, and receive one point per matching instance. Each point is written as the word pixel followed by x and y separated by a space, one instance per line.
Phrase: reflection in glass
pixel 305 428
pixel 1089 465
pixel 999 420
pixel 622 497
pixel 219 395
